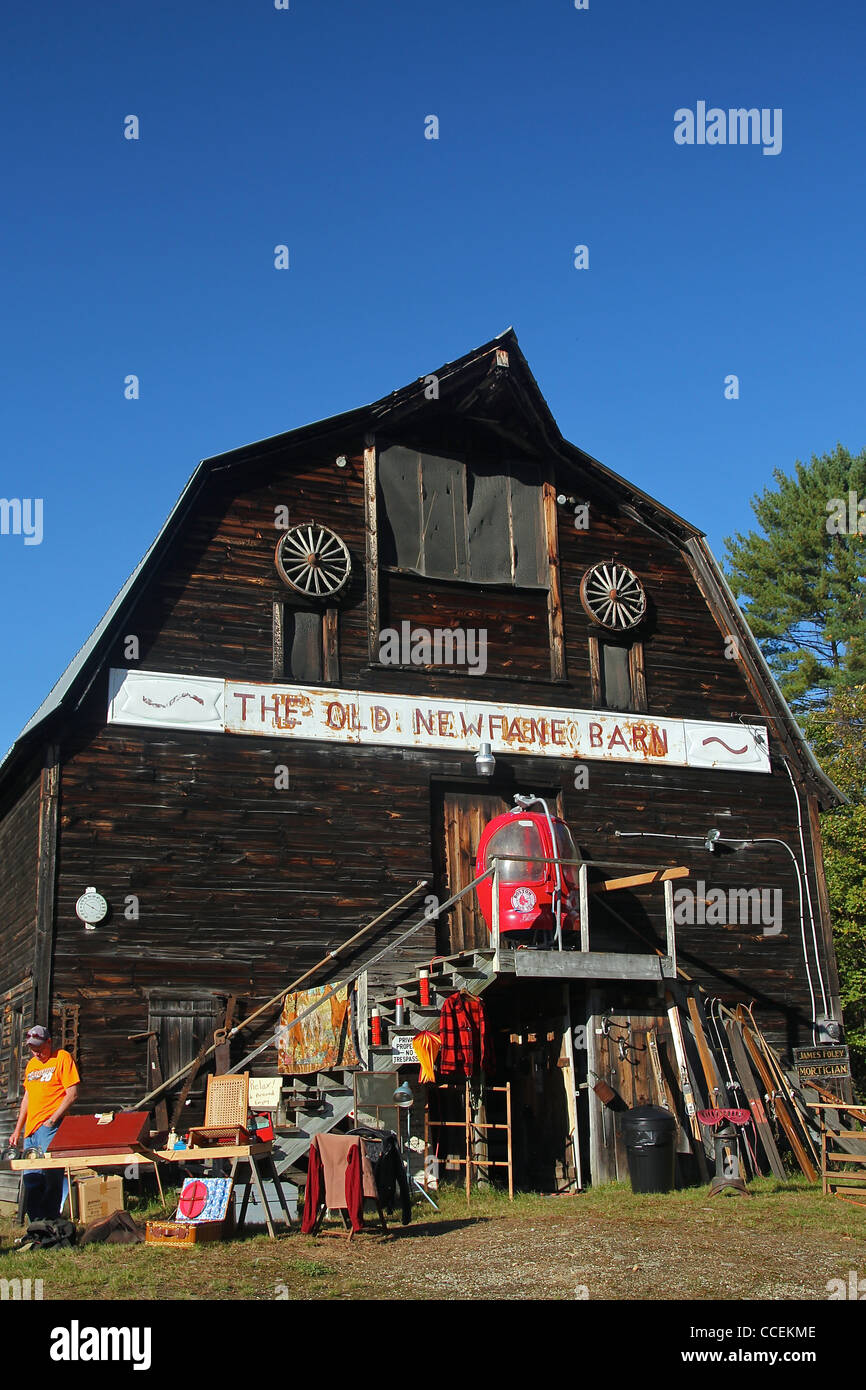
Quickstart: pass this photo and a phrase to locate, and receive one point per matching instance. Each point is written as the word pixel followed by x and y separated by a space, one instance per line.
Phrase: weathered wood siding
pixel 19 841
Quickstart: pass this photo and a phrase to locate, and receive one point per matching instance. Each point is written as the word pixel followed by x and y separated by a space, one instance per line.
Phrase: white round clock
pixel 91 907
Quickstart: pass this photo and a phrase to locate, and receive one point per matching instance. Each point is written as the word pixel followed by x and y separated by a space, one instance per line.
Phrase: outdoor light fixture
pixel 562 500
pixel 485 763
pixel 342 461
pixel 404 1096
pixel 713 837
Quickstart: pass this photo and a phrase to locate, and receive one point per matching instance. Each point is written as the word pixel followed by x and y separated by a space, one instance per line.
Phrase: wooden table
pixel 246 1158
pixel 76 1163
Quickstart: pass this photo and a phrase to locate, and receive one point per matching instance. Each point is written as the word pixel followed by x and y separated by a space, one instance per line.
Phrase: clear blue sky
pixel 306 127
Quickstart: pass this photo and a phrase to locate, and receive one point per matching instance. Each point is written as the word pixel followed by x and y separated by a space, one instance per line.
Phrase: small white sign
pixel 265 1092
pixel 402 1051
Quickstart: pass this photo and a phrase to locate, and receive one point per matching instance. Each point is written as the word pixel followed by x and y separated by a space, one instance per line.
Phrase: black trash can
pixel 650 1140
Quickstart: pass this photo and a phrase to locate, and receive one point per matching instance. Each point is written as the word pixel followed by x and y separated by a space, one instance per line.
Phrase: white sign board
pixel 328 715
pixel 265 1092
pixel 402 1051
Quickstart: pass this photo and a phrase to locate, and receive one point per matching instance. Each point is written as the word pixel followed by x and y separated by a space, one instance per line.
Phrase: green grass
pixel 785 1240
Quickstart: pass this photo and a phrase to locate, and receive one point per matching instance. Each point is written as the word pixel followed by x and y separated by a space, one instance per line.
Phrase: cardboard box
pixel 88 1198
pixel 111 1193
pixel 97 1197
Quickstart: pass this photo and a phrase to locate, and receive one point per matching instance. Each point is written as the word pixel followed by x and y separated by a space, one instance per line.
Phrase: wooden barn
pixel 348 650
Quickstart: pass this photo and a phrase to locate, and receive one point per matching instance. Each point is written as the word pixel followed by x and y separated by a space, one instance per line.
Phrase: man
pixel 50 1087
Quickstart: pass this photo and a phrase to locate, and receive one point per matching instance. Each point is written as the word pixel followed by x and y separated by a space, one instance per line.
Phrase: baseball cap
pixel 38 1035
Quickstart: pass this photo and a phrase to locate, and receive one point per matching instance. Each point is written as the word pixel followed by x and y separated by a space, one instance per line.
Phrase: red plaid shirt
pixel 466 1043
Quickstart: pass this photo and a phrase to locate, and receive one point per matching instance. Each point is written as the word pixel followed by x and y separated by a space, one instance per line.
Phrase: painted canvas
pixel 321 1041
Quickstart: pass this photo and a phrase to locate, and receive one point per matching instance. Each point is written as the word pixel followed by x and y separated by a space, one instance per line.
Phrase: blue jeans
pixel 42 1189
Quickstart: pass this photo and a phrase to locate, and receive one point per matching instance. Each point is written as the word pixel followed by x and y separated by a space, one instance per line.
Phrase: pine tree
pixel 802 583
pixel 837 734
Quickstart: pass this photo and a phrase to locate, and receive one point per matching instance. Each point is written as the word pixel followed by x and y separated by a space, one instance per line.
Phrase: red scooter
pixel 538 894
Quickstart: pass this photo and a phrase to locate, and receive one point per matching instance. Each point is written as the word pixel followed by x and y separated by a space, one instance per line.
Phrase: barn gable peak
pixel 490 390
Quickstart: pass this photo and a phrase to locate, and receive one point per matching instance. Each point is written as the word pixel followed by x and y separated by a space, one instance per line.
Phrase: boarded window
pixel 447 519
pixel 15 1065
pixel 304 646
pixel 65 1030
pixel 617 673
pixel 182 1024
pixel 615 682
pixel 16 1016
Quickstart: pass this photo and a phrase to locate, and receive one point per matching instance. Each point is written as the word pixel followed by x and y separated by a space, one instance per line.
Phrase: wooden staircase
pixel 470 971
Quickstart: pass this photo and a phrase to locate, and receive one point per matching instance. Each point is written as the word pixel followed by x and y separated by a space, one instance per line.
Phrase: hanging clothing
pixel 339 1177
pixel 383 1151
pixel 320 1042
pixel 467 1046
pixel 426 1047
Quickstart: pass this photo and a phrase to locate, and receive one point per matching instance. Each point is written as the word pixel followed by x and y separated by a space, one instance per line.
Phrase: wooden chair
pixel 225 1112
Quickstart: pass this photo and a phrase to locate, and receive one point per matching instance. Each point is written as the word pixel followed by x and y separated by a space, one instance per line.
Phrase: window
pixel 16 1043
pixel 65 1028
pixel 617 675
pixel 16 1015
pixel 305 644
pixel 443 518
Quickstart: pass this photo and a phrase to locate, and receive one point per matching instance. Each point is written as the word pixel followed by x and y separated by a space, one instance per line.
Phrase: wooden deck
pixel 585 965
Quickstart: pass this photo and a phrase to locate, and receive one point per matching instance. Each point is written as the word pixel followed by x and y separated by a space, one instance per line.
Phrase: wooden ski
pixel 736 1094
pixel 716 1094
pixel 686 1083
pixel 753 1096
pixel 783 1114
pixel 663 1092
pixel 799 1105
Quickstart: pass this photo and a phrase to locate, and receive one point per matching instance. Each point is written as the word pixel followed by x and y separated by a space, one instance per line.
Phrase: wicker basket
pixel 186 1233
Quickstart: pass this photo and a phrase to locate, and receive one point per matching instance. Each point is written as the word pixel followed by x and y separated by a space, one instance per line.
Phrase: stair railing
pixel 333 989
pixel 278 999
pixel 583 866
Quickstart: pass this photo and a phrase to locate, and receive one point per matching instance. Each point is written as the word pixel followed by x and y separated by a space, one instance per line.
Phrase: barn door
pixel 463 818
pixel 620 1057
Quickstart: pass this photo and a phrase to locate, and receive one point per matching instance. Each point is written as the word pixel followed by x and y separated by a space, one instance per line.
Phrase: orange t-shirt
pixel 45 1084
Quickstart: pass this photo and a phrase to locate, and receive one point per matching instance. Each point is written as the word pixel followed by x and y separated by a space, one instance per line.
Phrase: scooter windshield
pixel 519 837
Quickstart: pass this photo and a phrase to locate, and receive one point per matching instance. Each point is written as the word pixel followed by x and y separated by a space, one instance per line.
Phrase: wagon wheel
pixel 313 561
pixel 613 595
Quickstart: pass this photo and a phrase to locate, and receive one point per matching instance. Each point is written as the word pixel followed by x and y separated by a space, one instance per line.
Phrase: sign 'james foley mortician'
pixel 208 705
pixel 824 1062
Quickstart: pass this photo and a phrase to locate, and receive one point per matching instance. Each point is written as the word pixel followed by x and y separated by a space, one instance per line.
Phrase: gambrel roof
pixel 494 386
